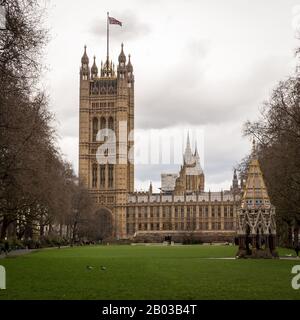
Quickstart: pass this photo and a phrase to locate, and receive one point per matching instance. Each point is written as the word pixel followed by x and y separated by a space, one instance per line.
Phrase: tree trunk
pixel 296 235
pixel 290 237
pixel 74 232
pixel 60 230
pixel 4 226
pixel 42 230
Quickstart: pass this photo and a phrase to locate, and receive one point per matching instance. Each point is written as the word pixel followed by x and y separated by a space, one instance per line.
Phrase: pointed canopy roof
pixel 122 57
pixel 85 58
pixel 255 192
pixel 129 65
pixel 94 68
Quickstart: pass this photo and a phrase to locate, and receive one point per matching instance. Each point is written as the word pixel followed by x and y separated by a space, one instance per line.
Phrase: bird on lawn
pixel 103 268
pixel 89 267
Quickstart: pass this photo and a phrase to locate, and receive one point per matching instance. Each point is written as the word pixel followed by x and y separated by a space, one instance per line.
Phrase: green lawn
pixel 146 272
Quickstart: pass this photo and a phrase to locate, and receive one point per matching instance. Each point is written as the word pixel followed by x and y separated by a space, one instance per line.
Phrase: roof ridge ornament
pixel 254 148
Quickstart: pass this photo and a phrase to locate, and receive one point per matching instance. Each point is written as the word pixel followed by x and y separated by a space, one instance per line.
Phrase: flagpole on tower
pixel 107 39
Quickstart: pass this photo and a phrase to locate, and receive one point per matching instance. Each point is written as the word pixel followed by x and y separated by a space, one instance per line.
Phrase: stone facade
pixel 107 108
pixel 206 216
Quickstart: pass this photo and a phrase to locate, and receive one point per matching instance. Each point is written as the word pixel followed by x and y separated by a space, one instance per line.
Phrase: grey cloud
pixel 148 172
pixel 132 27
pixel 185 97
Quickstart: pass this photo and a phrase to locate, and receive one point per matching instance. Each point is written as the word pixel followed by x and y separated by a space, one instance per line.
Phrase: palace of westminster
pixel 182 207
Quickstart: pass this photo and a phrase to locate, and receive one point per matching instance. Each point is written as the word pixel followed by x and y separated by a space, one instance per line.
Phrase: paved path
pixel 290 258
pixel 21 252
pixel 233 258
pixel 16 253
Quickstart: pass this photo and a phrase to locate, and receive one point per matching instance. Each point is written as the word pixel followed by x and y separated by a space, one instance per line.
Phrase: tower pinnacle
pixel 94 69
pixel 129 65
pixel 254 151
pixel 85 58
pixel 122 57
pixel 188 156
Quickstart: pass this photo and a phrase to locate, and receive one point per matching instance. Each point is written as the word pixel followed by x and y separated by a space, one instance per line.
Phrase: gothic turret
pixel 84 70
pixel 122 57
pixel 94 69
pixel 122 64
pixel 85 58
pixel 235 182
pixel 129 65
pixel 129 68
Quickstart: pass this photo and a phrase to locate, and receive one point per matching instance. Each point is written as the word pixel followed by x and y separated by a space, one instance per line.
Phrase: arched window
pixel 110 176
pixel 111 123
pixel 94 176
pixel 102 176
pixel 95 128
pixel 102 123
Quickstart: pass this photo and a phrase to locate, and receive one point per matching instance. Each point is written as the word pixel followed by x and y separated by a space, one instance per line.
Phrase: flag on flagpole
pixel 112 20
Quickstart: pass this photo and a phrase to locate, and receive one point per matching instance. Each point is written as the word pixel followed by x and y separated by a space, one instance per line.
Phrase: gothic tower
pixel 106 123
pixel 191 176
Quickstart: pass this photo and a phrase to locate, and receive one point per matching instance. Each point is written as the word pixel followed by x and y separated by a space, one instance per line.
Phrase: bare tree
pixel 81 215
pixel 36 185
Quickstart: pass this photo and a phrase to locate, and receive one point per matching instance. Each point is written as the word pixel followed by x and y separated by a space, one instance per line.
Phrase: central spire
pixel 188 155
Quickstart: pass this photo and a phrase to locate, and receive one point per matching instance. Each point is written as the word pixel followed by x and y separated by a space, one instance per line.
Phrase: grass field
pixel 146 272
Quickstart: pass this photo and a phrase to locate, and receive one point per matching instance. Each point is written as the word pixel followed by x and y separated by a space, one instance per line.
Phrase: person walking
pixel 297 249
pixel 6 247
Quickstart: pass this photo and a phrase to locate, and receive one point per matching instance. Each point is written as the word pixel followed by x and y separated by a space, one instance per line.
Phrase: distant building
pixel 183 209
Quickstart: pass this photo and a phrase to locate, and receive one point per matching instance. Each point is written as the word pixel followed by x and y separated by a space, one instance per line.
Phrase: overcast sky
pixel 204 65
